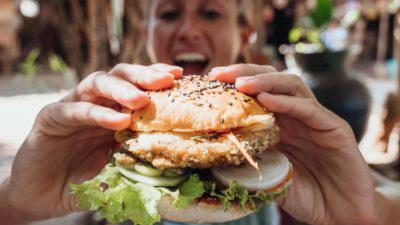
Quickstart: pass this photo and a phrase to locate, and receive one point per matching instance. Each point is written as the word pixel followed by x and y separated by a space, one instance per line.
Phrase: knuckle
pixel 87 83
pixel 93 76
pixel 298 83
pixel 48 108
pixel 119 66
pixel 75 110
pixel 297 80
pixel 313 103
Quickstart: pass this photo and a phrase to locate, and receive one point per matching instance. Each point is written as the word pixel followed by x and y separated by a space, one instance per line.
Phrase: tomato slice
pixel 282 185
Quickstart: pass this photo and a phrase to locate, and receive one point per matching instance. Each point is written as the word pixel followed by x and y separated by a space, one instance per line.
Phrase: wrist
pixel 8 213
pixel 382 210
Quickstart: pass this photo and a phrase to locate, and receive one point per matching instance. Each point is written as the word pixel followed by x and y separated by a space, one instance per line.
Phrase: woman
pixel 70 139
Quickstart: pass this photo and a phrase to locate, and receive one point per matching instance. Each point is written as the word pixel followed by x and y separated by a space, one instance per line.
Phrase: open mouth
pixel 192 62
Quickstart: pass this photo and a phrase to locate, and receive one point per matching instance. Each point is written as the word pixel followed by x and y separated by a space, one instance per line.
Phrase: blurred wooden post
pixel 134 49
pixel 396 44
pixel 97 35
pixel 392 105
pixel 258 7
pixel 70 30
pixel 383 31
pixel 254 53
pixel 83 27
pixel 9 22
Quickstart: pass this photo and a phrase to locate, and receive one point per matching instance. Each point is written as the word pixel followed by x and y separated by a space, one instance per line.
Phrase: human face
pixel 196 35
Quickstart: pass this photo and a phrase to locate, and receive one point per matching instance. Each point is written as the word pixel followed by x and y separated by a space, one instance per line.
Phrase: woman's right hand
pixel 70 139
pixel 332 183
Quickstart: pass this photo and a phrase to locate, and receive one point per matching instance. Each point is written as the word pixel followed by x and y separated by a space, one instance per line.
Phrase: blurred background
pixel 347 51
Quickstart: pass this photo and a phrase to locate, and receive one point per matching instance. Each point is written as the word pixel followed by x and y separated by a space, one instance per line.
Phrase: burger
pixel 199 152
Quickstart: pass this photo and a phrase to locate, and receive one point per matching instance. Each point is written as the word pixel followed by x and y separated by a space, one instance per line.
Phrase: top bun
pixel 198 103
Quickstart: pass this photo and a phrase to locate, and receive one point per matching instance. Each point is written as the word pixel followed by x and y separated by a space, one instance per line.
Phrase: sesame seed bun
pixel 201 212
pixel 197 103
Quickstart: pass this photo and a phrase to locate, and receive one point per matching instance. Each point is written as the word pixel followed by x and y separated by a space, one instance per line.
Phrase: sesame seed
pixel 230 103
pixel 222 120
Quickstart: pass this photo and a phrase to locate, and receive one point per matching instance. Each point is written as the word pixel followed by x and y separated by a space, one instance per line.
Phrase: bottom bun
pixel 200 212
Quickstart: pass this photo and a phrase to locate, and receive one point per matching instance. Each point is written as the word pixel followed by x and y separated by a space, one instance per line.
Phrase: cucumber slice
pixel 152 181
pixel 147 170
pixel 173 172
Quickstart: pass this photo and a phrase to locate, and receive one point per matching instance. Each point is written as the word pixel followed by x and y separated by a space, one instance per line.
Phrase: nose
pixel 189 31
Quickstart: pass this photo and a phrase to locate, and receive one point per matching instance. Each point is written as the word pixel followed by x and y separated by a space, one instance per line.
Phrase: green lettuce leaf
pixel 188 191
pixel 236 192
pixel 119 199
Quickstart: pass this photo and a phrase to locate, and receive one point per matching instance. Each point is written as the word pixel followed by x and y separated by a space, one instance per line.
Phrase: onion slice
pixel 274 168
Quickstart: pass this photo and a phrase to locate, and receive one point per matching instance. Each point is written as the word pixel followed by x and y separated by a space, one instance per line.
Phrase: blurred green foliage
pixel 322 13
pixel 30 66
pixel 309 34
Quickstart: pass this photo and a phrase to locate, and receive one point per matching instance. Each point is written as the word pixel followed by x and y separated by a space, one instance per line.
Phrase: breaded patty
pixel 166 150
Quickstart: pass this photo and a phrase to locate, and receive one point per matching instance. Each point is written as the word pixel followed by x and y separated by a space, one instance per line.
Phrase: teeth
pixel 190 57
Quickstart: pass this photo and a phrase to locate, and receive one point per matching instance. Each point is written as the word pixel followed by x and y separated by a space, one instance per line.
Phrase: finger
pixel 230 73
pixel 143 76
pixel 275 83
pixel 65 117
pixel 174 70
pixel 307 110
pixel 100 86
pixel 123 92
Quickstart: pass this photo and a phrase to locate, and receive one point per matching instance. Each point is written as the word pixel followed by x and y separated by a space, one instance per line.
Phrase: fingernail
pixel 243 80
pixel 116 116
pixel 131 93
pixel 176 67
pixel 249 78
pixel 159 76
pixel 217 70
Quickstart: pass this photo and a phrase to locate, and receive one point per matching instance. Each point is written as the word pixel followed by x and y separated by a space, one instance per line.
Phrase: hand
pixel 331 183
pixel 70 139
